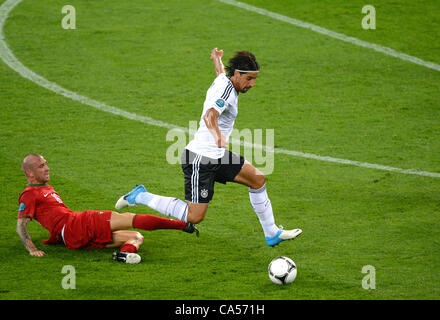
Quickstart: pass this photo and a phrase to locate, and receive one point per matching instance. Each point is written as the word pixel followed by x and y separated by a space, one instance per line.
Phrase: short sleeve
pixel 219 105
pixel 221 92
pixel 26 205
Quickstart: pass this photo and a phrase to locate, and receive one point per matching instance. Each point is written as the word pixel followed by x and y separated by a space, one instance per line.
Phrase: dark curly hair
pixel 243 60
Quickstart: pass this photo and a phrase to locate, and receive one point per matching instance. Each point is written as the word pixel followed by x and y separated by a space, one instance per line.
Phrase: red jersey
pixel 42 204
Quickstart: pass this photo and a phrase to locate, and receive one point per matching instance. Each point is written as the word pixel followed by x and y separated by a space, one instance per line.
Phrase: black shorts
pixel 201 173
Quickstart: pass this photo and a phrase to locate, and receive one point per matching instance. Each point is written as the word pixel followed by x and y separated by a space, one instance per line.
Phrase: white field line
pixel 329 33
pixel 8 57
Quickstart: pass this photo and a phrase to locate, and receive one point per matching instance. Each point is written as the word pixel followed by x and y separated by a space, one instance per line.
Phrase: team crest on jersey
pixel 204 193
pixel 220 103
pixel 21 207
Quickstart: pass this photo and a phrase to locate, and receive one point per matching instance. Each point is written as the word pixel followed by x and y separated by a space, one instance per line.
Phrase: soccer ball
pixel 282 270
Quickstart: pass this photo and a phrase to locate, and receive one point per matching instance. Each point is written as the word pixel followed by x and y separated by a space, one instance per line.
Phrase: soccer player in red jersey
pixel 88 229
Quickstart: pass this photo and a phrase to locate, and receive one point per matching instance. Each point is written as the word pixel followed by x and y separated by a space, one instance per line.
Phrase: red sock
pixel 151 222
pixel 128 247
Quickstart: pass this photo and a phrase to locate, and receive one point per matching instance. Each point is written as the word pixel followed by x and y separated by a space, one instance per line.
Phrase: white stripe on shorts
pixel 195 179
pixel 62 234
pixel 193 175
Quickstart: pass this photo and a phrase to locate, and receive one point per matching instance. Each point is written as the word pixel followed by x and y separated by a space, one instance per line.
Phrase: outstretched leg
pixel 149 222
pixel 169 206
pixel 256 181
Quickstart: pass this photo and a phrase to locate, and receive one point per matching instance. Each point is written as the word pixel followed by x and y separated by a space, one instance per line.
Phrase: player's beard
pixel 45 177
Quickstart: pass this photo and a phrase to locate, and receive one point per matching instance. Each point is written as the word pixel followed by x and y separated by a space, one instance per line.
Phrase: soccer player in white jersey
pixel 206 160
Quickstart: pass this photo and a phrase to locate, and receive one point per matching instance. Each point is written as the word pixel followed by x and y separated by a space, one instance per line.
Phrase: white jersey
pixel 223 97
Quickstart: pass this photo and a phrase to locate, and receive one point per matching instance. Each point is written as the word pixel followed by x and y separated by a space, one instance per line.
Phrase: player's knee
pixel 129 215
pixel 138 238
pixel 196 218
pixel 259 180
pixel 195 215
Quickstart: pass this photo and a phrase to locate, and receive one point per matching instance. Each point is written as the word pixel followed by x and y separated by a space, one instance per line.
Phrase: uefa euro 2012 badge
pixel 21 207
pixel 220 103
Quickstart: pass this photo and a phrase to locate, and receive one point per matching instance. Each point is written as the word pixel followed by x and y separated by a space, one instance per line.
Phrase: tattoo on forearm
pixel 24 234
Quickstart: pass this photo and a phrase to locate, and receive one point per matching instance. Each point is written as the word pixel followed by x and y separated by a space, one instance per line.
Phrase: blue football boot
pixel 282 235
pixel 129 198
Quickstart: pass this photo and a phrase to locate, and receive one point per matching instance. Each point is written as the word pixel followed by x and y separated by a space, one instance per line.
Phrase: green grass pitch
pixel 319 94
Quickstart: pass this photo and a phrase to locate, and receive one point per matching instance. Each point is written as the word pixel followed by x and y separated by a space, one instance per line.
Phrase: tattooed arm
pixel 26 238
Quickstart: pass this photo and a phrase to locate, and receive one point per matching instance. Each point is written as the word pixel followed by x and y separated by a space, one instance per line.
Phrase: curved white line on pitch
pixel 332 34
pixel 9 58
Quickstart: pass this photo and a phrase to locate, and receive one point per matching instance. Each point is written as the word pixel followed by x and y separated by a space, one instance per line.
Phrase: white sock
pixel 166 205
pixel 263 208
